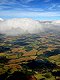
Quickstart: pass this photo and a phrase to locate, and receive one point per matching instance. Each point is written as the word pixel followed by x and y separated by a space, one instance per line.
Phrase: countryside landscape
pixel 30 57
pixel 29 39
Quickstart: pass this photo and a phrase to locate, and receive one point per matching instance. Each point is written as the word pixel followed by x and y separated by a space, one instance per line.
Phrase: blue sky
pixel 36 9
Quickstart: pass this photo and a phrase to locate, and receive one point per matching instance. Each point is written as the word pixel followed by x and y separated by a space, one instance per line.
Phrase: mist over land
pixel 18 26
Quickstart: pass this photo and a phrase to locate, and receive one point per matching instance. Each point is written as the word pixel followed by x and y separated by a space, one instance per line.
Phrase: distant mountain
pixel 26 25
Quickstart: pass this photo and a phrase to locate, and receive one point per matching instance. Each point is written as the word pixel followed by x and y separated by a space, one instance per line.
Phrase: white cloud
pixel 1 19
pixel 29 14
pixel 12 26
pixel 27 25
pixel 34 9
pixel 47 0
pixel 7 1
pixel 26 1
pixel 14 1
pixel 55 6
pixel 52 6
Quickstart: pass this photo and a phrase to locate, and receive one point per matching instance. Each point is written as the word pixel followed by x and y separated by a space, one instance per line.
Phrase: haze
pixel 20 26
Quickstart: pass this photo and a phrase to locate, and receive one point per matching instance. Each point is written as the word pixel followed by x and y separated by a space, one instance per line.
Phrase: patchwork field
pixel 30 57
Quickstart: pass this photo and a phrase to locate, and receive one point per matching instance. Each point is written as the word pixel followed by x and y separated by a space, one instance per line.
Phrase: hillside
pixel 35 56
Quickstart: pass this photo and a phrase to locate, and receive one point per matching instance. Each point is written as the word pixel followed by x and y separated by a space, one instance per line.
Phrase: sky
pixel 35 9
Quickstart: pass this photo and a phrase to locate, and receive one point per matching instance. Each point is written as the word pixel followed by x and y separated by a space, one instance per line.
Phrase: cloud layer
pixel 27 26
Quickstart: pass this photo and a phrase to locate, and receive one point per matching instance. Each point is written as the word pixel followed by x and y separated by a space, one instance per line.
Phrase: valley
pixel 35 56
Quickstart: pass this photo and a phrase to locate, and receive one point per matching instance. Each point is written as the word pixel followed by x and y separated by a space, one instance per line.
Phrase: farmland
pixel 36 56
